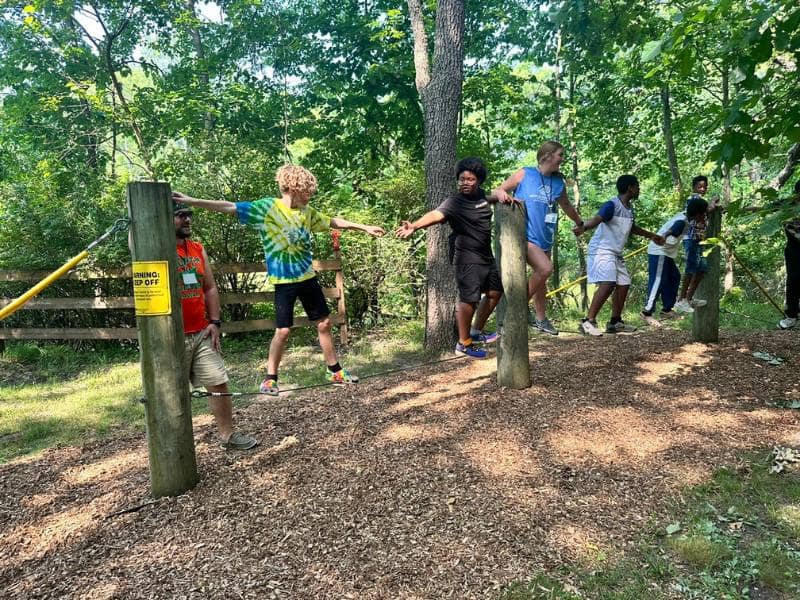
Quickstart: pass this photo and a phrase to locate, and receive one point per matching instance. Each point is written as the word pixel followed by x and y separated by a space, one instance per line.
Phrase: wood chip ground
pixel 432 483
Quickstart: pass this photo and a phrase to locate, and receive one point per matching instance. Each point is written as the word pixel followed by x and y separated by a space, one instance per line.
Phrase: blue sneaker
pixel 485 338
pixel 472 351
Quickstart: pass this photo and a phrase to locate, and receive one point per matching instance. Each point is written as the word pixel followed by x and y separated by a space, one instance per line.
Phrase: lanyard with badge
pixel 189 276
pixel 552 210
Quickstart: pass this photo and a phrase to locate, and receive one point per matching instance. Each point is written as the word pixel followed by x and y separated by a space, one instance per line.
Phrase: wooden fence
pixel 338 317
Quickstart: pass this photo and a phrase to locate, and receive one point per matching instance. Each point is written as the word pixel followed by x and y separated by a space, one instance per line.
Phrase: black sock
pixel 335 368
pixel 615 320
pixel 273 377
pixel 648 313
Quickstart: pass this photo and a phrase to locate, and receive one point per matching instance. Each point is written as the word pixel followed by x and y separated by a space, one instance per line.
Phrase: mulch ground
pixel 429 484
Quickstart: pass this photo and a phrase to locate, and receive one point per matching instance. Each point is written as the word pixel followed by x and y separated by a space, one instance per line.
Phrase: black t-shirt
pixel 471 240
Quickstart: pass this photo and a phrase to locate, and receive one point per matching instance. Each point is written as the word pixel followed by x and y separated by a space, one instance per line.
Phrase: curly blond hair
pixel 292 178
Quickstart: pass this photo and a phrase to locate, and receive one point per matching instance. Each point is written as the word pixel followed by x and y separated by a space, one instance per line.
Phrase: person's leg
pixel 599 298
pixel 792 258
pixel 485 308
pixel 655 274
pixel 693 284
pixel 669 286
pixel 542 266
pixel 276 348
pixel 618 301
pixel 324 333
pixel 464 313
pixel 222 409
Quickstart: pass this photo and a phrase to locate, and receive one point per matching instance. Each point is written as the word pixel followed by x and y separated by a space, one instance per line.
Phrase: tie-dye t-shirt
pixel 285 235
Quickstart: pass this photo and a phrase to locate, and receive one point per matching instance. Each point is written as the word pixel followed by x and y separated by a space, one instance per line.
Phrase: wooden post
pixel 168 411
pixel 513 364
pixel 705 324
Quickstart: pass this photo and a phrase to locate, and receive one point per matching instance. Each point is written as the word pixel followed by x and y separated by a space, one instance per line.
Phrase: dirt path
pixel 430 484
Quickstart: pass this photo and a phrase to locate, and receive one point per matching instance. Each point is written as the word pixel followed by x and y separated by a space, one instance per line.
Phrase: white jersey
pixel 613 232
pixel 673 232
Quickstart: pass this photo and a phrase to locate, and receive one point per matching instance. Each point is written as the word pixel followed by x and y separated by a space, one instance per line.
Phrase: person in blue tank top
pixel 541 188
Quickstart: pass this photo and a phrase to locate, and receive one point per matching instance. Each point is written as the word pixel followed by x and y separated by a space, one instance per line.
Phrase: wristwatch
pixel 216 322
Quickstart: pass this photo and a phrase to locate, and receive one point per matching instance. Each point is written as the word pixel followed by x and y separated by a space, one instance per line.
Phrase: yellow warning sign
pixel 151 288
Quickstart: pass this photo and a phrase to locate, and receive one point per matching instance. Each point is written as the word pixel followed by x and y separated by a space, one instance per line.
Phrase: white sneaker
pixel 588 327
pixel 683 306
pixel 695 302
pixel 787 323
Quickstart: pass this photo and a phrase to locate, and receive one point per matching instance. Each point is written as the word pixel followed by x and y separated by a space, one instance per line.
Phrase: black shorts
pixel 473 280
pixel 311 297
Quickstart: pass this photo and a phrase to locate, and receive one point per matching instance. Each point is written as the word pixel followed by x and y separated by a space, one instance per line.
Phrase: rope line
pixel 10 309
pixel 207 394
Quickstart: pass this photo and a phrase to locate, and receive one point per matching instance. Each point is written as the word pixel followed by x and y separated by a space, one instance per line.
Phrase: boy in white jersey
pixel 614 222
pixel 663 276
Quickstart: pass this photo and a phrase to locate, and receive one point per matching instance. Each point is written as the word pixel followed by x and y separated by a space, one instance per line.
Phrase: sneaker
pixel 341 377
pixel 588 327
pixel 269 387
pixel 472 351
pixel 683 306
pixel 620 327
pixel 485 338
pixel 787 323
pixel 667 315
pixel 546 326
pixel 696 302
pixel 239 441
pixel 650 320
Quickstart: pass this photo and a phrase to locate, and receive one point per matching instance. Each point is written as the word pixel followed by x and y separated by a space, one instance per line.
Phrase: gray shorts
pixel 204 365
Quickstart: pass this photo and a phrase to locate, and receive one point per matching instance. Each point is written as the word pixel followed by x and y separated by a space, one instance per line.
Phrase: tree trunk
pixel 792 158
pixel 728 281
pixel 556 276
pixel 576 191
pixel 666 128
pixel 197 45
pixel 705 325
pixel 440 93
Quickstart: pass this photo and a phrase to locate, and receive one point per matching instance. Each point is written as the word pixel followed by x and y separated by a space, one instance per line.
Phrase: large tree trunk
pixel 792 158
pixel 440 93
pixel 666 128
pixel 197 45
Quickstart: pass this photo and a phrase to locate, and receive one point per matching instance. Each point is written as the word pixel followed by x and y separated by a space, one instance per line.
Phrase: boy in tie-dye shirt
pixel 285 226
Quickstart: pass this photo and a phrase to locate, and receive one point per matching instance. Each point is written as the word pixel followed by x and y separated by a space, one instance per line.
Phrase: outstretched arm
pixel 222 206
pixel 658 239
pixel 504 190
pixel 373 230
pixel 407 228
pixel 572 213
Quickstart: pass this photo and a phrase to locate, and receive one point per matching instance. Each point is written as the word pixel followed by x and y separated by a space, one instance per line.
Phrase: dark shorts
pixel 311 297
pixel 473 280
pixel 695 261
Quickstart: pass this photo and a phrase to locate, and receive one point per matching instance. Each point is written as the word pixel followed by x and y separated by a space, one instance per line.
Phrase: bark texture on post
pixel 705 325
pixel 513 363
pixel 173 465
pixel 439 87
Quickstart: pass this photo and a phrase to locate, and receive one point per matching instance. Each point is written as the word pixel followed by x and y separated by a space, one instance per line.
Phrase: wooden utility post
pixel 513 367
pixel 705 324
pixel 173 465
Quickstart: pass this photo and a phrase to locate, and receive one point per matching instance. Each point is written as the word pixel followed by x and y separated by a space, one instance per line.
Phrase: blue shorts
pixel 695 261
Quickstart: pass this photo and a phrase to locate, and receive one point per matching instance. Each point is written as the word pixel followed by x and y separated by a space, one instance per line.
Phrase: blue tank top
pixel 540 194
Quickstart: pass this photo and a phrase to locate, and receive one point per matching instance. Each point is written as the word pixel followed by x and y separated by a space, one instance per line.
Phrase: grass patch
pixel 730 538
pixel 59 394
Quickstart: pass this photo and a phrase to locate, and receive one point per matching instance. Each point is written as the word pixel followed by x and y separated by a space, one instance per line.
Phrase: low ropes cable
pixel 751 275
pixel 566 286
pixel 207 394
pixel 11 308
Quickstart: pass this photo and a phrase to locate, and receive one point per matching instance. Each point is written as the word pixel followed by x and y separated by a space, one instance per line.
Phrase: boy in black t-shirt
pixel 470 219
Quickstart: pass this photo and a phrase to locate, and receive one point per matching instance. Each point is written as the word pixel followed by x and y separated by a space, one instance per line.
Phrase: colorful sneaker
pixel 696 302
pixel 546 326
pixel 341 377
pixel 472 351
pixel 650 320
pixel 588 327
pixel 787 323
pixel 683 306
pixel 485 338
pixel 620 327
pixel 269 387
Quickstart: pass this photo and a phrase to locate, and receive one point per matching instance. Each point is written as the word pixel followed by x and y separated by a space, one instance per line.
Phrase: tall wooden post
pixel 173 465
pixel 705 325
pixel 513 367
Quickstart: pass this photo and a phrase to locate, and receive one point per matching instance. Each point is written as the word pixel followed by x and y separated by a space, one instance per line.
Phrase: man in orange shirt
pixel 201 327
